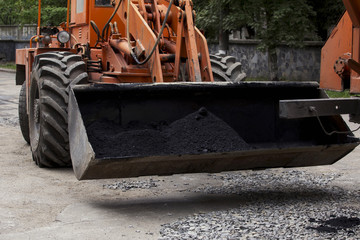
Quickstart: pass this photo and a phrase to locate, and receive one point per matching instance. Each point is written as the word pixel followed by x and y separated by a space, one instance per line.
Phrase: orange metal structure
pixel 342 52
pixel 339 43
pixel 117 66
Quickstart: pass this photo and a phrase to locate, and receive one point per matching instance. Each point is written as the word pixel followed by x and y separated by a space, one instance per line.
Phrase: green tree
pixel 281 21
pixel 9 12
pixel 328 13
pixel 26 12
pixel 53 12
pixel 218 18
pixel 274 21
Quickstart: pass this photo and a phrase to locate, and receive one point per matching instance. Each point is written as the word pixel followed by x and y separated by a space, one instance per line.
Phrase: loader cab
pixel 84 11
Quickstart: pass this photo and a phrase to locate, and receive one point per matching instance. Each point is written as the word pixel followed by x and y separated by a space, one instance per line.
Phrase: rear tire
pixel 48 116
pixel 226 69
pixel 23 116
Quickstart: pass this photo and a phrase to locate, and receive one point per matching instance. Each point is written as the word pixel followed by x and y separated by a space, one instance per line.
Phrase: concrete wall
pixel 14 37
pixel 294 64
pixel 24 32
pixel 8 49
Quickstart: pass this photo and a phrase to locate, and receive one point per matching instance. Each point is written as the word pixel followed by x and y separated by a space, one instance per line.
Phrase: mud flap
pixel 250 110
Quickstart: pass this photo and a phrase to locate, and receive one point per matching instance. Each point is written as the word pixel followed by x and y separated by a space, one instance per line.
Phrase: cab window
pixel 79 6
pixel 103 3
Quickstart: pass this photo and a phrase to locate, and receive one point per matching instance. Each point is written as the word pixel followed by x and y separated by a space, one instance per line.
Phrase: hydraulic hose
pixel 111 18
pixel 158 39
pixel 96 29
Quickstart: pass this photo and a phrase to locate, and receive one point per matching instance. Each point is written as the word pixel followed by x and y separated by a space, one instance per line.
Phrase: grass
pixel 344 94
pixel 8 65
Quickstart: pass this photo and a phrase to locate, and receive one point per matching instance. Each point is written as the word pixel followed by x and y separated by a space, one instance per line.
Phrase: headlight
pixel 63 37
pixel 46 40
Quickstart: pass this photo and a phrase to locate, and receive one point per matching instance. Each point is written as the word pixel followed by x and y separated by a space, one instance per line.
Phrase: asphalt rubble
pixel 197 133
pixel 290 205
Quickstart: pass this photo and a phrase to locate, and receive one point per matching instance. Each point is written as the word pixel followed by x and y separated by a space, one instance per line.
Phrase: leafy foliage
pixel 328 13
pixel 26 12
pixel 273 21
pixel 210 18
pixel 9 12
pixel 344 94
pixel 281 21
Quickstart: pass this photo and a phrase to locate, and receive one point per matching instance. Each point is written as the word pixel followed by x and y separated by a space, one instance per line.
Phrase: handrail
pixel 67 16
pixel 39 22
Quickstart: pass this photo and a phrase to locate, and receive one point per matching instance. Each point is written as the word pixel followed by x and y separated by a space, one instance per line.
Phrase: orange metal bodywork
pixel 339 43
pixel 181 43
pixel 344 40
pixel 353 8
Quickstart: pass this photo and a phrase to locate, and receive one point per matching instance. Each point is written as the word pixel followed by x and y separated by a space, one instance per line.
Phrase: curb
pixel 7 70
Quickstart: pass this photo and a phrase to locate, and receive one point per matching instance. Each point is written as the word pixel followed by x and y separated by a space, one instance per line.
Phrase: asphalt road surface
pixel 305 203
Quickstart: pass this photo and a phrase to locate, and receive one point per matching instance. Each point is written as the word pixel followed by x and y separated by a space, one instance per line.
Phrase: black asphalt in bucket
pixel 198 132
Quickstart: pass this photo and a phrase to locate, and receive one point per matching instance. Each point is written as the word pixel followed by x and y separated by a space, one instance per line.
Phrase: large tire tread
pixel 54 72
pixel 220 76
pixel 51 105
pixel 51 62
pixel 228 60
pixel 54 88
pixel 226 69
pixel 52 123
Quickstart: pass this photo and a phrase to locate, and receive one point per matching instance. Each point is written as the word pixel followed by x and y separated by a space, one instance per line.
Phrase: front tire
pixel 48 116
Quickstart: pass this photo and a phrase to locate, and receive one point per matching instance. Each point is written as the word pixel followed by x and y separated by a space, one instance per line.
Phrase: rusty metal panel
pixel 190 41
pixel 21 56
pixel 353 8
pixel 339 43
pixel 79 11
pixel 143 34
pixel 100 15
pixel 24 57
pixel 205 63
pixel 355 77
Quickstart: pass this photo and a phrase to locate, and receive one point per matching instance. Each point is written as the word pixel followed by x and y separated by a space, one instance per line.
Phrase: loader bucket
pixel 130 130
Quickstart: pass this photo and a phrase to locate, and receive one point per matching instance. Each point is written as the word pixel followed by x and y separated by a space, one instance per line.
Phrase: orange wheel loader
pixel 127 88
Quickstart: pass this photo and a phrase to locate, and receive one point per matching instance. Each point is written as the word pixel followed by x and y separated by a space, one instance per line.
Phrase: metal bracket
pixel 304 108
